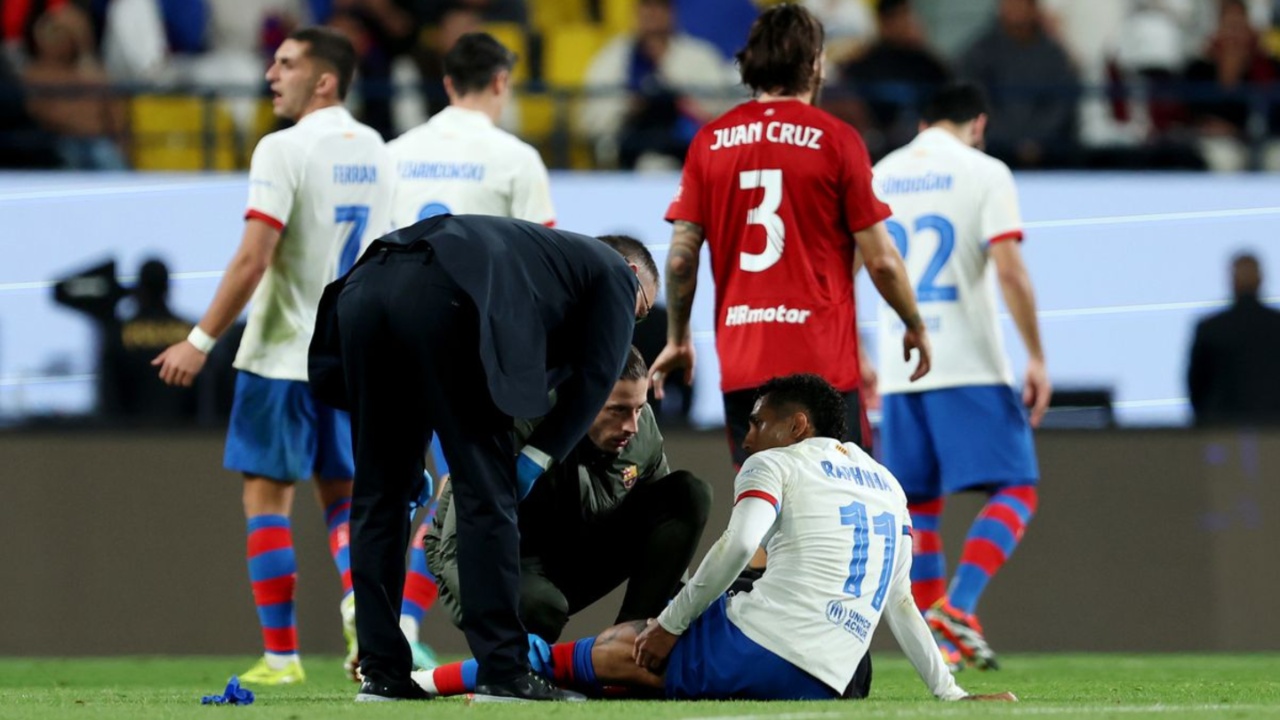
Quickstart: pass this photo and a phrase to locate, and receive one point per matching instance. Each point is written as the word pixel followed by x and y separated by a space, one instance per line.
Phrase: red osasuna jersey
pixel 779 188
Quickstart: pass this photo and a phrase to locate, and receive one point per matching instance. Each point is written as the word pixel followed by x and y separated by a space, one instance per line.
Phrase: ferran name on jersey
pixel 355 174
pixel 629 476
pixel 782 133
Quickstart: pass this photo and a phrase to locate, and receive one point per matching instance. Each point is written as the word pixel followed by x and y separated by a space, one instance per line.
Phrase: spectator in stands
pixel 69 94
pixel 1231 376
pixel 1032 86
pixel 848 26
pixel 895 73
pixel 651 90
pixel 22 143
pixel 723 23
pixel 1227 83
pixel 127 387
pixel 141 37
pixel 383 32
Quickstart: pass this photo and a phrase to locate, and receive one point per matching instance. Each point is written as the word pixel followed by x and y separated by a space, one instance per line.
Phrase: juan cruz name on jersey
pixel 783 133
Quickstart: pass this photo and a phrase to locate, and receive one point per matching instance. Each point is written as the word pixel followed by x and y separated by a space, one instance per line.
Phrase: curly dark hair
pixel 816 397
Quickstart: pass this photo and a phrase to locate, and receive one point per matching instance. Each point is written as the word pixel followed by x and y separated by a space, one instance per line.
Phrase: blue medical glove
pixel 540 656
pixel 530 466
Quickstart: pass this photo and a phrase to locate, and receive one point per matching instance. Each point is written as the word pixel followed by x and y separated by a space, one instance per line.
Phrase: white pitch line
pixel 999 709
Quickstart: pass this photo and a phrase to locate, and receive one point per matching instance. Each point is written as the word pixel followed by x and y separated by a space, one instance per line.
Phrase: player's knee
pixel 1027 497
pixel 690 495
pixel 544 614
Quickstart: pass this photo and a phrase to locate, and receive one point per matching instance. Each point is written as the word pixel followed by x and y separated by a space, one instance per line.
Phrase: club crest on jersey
pixel 629 476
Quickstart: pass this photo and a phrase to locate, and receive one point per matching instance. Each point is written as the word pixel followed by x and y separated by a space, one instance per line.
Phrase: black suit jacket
pixel 556 309
pixel 1234 372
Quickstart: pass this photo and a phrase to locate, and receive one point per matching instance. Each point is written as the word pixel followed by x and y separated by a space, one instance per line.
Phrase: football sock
pixel 453 679
pixel 928 563
pixel 338 517
pixel 991 541
pixel 572 666
pixel 273 573
pixel 420 588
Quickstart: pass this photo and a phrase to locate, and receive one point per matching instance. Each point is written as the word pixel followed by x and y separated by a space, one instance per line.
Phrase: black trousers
pixel 410 340
pixel 739 403
pixel 647 542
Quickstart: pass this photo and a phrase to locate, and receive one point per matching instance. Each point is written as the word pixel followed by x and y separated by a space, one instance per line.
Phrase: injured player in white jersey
pixel 838 534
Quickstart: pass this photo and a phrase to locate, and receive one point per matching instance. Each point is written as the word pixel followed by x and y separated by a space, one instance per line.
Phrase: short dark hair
pixel 475 60
pixel 814 396
pixel 957 102
pixel 634 251
pixel 635 368
pixel 782 48
pixel 332 48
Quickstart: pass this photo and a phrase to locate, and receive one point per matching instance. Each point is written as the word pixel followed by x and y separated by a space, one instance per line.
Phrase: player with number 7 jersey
pixel 782 193
pixel 319 194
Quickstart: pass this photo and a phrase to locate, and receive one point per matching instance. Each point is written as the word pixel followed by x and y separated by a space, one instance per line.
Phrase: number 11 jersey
pixel 779 188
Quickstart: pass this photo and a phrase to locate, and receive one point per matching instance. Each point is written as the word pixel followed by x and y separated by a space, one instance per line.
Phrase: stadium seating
pixel 181 132
pixel 515 38
pixel 567 52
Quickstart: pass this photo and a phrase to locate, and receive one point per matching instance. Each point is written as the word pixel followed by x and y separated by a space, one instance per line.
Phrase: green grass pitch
pixel 1051 686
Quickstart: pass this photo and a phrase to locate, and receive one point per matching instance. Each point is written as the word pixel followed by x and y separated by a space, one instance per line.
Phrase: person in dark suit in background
pixel 1232 376
pixel 129 389
pixel 459 325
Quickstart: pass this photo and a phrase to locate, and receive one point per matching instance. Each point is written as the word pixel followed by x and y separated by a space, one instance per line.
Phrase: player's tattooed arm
pixel 682 277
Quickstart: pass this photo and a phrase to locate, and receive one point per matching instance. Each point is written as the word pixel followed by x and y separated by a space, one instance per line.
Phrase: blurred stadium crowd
pixel 177 84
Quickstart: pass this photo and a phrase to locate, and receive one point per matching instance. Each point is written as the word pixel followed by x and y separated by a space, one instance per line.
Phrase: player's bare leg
pixel 614 658
pixel 334 497
pixel 268 503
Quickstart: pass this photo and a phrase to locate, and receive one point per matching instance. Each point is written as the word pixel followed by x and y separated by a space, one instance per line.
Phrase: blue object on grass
pixel 233 695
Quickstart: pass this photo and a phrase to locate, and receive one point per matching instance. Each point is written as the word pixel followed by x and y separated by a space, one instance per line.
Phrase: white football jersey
pixel 839 557
pixel 950 202
pixel 326 184
pixel 458 162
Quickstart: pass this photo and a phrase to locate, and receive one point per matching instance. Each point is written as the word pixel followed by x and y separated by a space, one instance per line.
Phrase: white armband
pixel 203 341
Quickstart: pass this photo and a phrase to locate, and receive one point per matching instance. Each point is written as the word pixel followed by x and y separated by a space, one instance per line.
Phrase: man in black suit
pixel 1232 377
pixel 458 325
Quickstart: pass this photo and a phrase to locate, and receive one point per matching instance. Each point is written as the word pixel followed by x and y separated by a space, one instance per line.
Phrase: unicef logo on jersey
pixel 836 612
pixel 433 209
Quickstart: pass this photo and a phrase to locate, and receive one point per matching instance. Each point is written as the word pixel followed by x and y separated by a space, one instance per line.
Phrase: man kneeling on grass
pixel 838 534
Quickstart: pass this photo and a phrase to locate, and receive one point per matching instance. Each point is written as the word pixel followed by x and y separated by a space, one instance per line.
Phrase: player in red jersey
pixel 782 192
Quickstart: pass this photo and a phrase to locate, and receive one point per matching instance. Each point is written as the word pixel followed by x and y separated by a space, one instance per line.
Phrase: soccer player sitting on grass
pixel 837 530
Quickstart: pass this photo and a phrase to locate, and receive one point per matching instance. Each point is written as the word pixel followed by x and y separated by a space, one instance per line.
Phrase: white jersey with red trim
pixel 326 184
pixel 950 203
pixel 839 558
pixel 458 162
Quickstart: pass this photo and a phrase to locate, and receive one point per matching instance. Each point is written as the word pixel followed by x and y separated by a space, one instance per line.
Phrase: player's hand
pixel 993 697
pixel 1037 391
pixel 673 357
pixel 653 646
pixel 917 340
pixel 180 363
